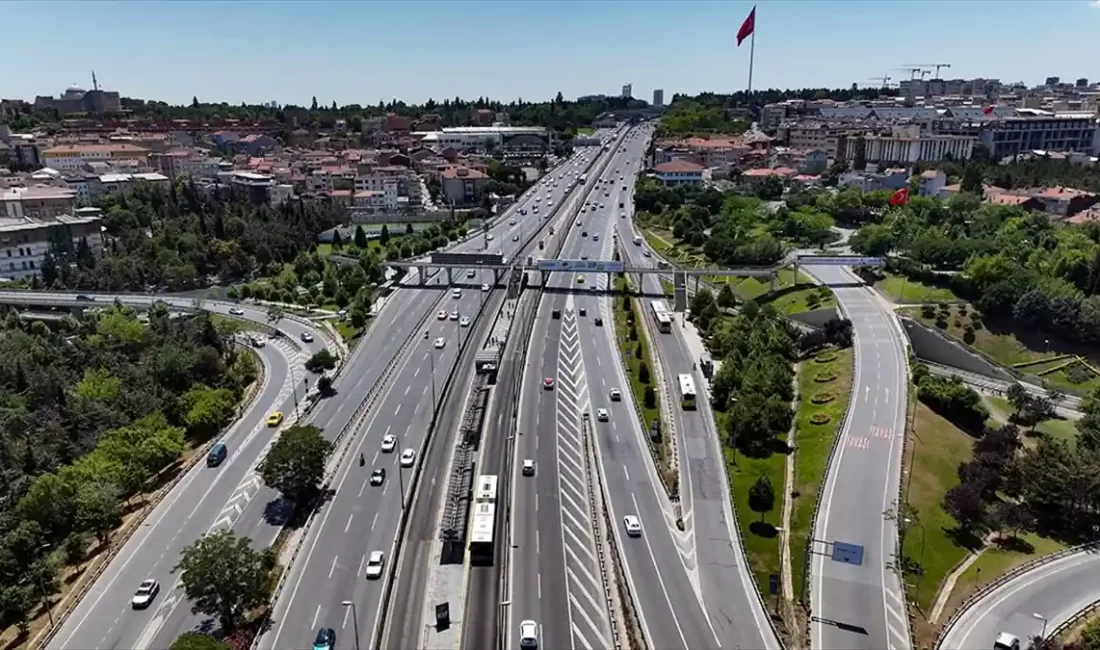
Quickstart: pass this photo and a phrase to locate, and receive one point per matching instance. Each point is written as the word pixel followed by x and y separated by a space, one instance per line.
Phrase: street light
pixel 1043 634
pixel 431 360
pixel 920 563
pixel 354 621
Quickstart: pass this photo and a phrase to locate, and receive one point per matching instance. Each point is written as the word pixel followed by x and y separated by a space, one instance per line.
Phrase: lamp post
pixel 431 360
pixel 42 586
pixel 1043 634
pixel 920 563
pixel 354 621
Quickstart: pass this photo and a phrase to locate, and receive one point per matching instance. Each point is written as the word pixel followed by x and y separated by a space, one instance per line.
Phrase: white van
pixel 637 240
pixel 456 293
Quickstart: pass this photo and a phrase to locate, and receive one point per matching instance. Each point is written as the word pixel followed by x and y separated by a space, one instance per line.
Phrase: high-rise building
pixel 1052 81
pixel 1083 82
pixel 628 91
pixel 658 97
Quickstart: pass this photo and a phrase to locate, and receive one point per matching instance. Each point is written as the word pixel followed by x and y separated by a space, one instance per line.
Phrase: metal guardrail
pixel 1074 620
pixel 594 517
pixel 992 586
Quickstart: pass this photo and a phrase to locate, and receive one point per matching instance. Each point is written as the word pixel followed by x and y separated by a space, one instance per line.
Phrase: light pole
pixel 354 621
pixel 1043 634
pixel 920 564
pixel 431 360
pixel 42 585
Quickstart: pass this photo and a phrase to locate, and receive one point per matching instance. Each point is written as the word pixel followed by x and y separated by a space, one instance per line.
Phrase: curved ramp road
pixel 1054 591
pixel 857 599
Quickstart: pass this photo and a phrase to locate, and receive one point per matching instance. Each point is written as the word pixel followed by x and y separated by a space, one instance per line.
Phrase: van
pixel 1006 641
pixel 637 240
pixel 555 314
pixel 217 455
pixel 456 293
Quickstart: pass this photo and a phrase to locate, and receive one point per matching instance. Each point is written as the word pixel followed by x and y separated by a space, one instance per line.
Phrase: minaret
pixel 95 86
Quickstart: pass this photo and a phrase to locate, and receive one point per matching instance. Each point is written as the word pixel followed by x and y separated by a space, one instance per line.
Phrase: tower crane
pixel 914 72
pixel 885 79
pixel 937 66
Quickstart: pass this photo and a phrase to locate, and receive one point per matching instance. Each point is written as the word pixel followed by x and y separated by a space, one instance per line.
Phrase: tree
pixel 208 410
pixel 337 240
pixel 224 576
pixel 197 641
pixel 771 188
pixel 16 603
pixel 313 105
pixel 97 509
pixel 703 299
pixel 360 237
pixel 321 361
pixel 643 372
pixel 409 230
pixel 295 465
pixel 274 315
pixel 1013 516
pixel 762 496
pixel 965 503
pixel 726 299
pixel 324 386
pixel 650 397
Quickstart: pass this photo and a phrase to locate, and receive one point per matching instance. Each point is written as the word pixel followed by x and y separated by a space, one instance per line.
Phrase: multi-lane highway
pixel 857 598
pixel 360 518
pixel 231 495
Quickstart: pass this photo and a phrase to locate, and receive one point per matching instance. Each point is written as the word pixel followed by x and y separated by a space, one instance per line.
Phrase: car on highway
pixel 602 415
pixel 598 322
pixel 307 337
pixel 454 315
pixel 236 311
pixel 456 293
pixel 580 279
pixel 548 383
pixel 465 322
pixel 632 525
pixel 325 639
pixel 442 315
pixel 378 476
pixel 646 254
pixel 471 273
pixel 440 343
pixel 529 635
pixel 275 419
pixel 489 237
pixel 408 457
pixel 528 467
pixel 515 237
pixel 257 342
pixel 622 215
pixel 484 287
pixel 146 592
pixel 375 561
pixel 511 222
pixel 584 257
pixel 83 298
pixel 389 443
pixel 615 394
pixel 595 238
pixel 1006 641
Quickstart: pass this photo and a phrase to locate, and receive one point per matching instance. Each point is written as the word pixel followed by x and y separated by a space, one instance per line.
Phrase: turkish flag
pixel 747 27
pixel 987 110
pixel 901 197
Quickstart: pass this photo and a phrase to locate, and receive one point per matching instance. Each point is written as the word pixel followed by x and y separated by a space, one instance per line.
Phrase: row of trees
pixel 685 117
pixel 92 409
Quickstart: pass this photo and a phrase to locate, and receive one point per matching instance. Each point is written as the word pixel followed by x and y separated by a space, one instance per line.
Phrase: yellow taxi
pixel 275 419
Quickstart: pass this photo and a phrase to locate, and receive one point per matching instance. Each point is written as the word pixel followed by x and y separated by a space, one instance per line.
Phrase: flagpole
pixel 752 52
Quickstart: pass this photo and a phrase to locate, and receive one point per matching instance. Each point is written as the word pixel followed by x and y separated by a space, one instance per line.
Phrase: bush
pixel 951 398
pixel 928 311
pixel 968 337
pixel 820 418
pixel 1078 374
pixel 825 357
pixel 941 322
pixel 643 372
pixel 824 377
pixel 321 361
pixel 324 386
pixel 822 398
pixel 633 332
pixel 650 397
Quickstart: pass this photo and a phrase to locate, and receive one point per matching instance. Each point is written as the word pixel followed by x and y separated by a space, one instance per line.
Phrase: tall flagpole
pixel 752 51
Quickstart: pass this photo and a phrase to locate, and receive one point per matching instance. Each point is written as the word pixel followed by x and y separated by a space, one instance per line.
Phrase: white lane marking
pixel 538 543
pixel 538 584
pixel 348 525
pixel 374 521
pixel 363 487
pixel 347 610
pixel 407 389
pixel 362 560
pixel 315 615
pixel 333 567
pixel 625 470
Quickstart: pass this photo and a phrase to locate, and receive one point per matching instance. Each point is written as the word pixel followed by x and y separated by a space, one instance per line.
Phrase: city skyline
pixel 535 51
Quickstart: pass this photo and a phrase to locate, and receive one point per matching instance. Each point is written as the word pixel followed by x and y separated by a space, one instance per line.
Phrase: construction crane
pixel 885 79
pixel 937 66
pixel 914 73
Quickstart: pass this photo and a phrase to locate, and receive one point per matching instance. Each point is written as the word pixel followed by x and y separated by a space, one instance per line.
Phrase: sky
pixel 355 51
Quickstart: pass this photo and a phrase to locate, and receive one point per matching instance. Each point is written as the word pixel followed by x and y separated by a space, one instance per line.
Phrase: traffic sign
pixel 841 260
pixel 580 266
pixel 847 553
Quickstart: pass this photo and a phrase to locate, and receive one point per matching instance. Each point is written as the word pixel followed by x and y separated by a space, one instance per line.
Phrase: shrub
pixel 822 398
pixel 643 373
pixel 825 377
pixel 825 357
pixel 650 397
pixel 820 418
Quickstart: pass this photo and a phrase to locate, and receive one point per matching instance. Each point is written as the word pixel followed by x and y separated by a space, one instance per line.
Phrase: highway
pixel 859 602
pixel 1055 591
pixel 361 519
pixel 236 497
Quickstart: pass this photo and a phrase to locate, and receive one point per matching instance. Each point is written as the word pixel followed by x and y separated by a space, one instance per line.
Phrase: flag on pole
pixel 901 197
pixel 747 27
pixel 988 110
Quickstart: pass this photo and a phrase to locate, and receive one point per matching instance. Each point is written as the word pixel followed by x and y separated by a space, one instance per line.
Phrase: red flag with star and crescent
pixel 747 27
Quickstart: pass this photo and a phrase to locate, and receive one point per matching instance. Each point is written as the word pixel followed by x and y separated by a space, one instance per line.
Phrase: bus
pixel 481 534
pixel 687 392
pixel 486 491
pixel 661 315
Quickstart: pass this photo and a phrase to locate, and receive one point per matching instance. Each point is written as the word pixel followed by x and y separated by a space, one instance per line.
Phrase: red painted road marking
pixel 858 442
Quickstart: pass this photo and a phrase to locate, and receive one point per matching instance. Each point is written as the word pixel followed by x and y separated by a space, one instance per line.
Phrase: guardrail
pixel 992 586
pixel 598 526
pixel 1074 620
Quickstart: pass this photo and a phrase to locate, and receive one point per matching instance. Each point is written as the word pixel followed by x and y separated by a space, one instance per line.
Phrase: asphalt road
pixel 860 602
pixel 361 519
pixel 1054 591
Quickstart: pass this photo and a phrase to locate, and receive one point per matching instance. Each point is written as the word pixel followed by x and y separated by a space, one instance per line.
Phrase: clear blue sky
pixel 362 51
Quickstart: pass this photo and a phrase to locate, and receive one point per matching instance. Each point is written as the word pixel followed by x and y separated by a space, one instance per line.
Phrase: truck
pixel 637 240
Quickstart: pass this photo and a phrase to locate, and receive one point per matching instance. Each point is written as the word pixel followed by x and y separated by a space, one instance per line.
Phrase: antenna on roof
pixel 95 85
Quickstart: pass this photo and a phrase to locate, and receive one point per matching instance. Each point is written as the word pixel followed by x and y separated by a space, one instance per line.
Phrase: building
pixel 78 100
pixel 889 179
pixel 931 182
pixel 24 242
pixel 628 91
pixel 70 157
pixel 123 183
pixel 522 138
pixel 38 202
pixel 907 145
pixel 1029 129
pixel 679 172
pixel 659 97
pixel 249 186
pixel 462 185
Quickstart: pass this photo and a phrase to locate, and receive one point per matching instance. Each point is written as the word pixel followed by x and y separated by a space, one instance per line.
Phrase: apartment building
pixel 70 157
pixel 462 185
pixel 1032 129
pixel 195 164
pixel 906 144
pixel 123 183
pixel 679 172
pixel 24 242
pixel 714 152
pixel 37 202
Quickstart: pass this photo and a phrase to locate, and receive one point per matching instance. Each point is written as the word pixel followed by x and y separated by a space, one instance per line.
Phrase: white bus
pixel 481 534
pixel 486 491
pixel 687 392
pixel 661 315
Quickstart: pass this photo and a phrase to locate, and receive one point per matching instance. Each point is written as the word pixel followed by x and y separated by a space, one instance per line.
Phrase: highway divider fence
pixel 1075 620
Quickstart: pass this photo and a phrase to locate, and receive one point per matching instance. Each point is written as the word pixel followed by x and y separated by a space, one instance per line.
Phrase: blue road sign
pixel 580 266
pixel 847 553
pixel 841 260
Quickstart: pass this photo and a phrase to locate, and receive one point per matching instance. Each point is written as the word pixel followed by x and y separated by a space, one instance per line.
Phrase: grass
pixel 629 351
pixel 936 448
pixel 813 443
pixel 1059 429
pixel 902 290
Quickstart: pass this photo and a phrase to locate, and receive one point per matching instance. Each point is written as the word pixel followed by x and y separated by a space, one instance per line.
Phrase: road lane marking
pixel 361 488
pixel 347 610
pixel 315 615
pixel 333 567
pixel 348 525
pixel 661 580
pixel 362 560
pixel 625 470
pixel 374 521
pixel 538 584
pixel 407 389
pixel 538 543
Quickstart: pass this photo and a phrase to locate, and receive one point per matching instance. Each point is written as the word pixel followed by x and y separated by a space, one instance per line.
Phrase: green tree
pixel 703 299
pixel 337 240
pixel 650 397
pixel 726 298
pixel 409 230
pixel 360 237
pixel 16 604
pixel 384 236
pixel 98 384
pixel 97 509
pixel 295 465
pixel 274 315
pixel 197 641
pixel 224 577
pixel 643 372
pixel 762 496
pixel 321 361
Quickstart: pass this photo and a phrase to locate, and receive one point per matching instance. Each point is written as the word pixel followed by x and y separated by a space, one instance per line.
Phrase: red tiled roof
pixel 679 167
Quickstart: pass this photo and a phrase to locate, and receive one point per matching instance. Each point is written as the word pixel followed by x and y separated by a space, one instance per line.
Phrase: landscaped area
pixel 821 410
pixel 901 289
pixel 1001 410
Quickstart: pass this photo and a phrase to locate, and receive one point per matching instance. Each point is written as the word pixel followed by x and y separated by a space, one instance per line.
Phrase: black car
pixel 326 639
pixel 378 476
pixel 84 298
pixel 599 322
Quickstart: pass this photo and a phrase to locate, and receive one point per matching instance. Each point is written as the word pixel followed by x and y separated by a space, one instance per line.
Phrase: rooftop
pixel 679 167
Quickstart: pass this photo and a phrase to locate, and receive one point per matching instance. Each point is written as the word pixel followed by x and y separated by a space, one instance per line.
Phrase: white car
pixel 615 394
pixel 465 322
pixel 375 561
pixel 454 315
pixel 601 415
pixel 257 342
pixel 529 635
pixel 456 293
pixel 511 222
pixel 408 457
pixel 307 337
pixel 484 287
pixel 236 311
pixel 528 467
pixel 632 525
pixel 489 237
pixel 145 594
pixel 440 343
pixel 441 315
pixel 389 443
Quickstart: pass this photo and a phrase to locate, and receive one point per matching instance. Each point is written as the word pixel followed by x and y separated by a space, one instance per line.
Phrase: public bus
pixel 687 392
pixel 661 315
pixel 486 491
pixel 481 534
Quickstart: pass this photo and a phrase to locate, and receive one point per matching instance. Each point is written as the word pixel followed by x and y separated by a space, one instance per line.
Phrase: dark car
pixel 84 298
pixel 326 639
pixel 599 322
pixel 378 476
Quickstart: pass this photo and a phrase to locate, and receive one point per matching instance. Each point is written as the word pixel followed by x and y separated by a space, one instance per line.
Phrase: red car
pixel 548 383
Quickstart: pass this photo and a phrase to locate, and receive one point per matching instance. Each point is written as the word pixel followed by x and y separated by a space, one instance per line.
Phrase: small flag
pixel 988 110
pixel 747 27
pixel 901 197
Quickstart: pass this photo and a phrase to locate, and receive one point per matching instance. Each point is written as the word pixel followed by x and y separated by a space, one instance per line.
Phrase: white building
pixel 906 144
pixel 477 137
pixel 70 157
pixel 25 242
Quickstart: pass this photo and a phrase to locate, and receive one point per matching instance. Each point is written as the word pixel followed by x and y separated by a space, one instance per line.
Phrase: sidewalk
pixel 697 348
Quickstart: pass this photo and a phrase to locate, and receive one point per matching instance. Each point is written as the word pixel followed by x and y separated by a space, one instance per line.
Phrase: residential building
pixel 628 91
pixel 931 182
pixel 70 157
pixel 906 144
pixel 462 185
pixel 255 144
pixel 36 202
pixel 122 183
pixel 529 138
pixel 1030 129
pixel 679 172
pixel 659 97
pixel 1061 202
pixel 889 179
pixel 23 151
pixel 249 186
pixel 24 242
pixel 756 176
